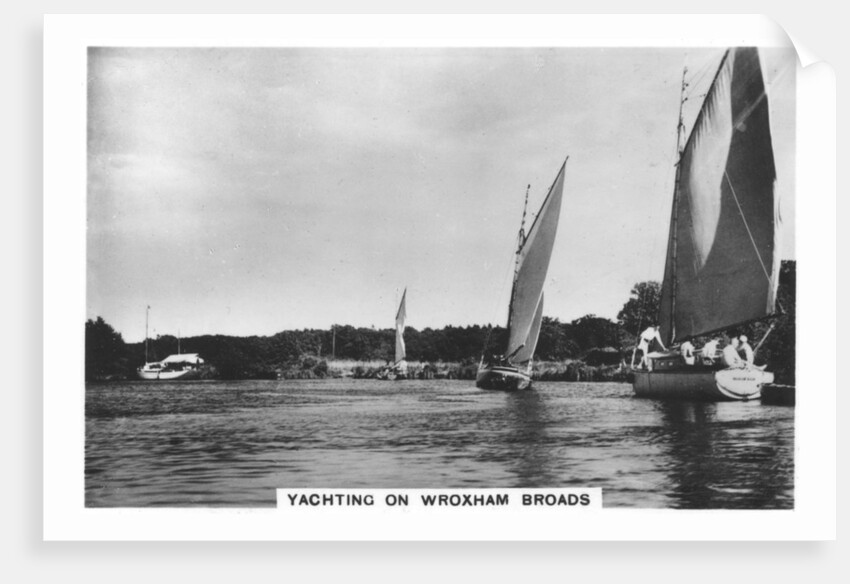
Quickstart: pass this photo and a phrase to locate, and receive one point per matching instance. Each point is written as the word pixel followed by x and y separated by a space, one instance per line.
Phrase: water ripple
pixel 231 444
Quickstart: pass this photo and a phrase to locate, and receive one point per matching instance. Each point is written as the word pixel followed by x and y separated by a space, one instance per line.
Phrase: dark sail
pixel 722 260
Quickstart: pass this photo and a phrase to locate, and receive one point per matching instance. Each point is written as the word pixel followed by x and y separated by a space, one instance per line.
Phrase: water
pixel 213 443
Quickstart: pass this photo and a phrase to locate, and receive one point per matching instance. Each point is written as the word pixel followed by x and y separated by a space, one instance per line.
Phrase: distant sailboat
pixel 722 255
pixel 512 369
pixel 179 366
pixel 398 370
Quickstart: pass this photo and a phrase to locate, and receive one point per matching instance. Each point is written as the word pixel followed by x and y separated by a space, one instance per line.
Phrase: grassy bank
pixel 571 370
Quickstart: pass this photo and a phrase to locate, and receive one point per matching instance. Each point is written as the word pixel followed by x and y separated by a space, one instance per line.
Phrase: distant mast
pixel 147 312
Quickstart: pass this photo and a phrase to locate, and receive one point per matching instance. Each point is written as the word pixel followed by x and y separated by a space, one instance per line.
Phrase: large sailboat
pixel 398 370
pixel 722 255
pixel 512 369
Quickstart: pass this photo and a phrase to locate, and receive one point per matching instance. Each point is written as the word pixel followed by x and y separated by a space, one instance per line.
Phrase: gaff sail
pixel 533 262
pixel 722 260
pixel 400 353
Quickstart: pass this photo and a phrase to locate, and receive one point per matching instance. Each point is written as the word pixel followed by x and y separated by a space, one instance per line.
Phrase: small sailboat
pixel 512 369
pixel 722 255
pixel 398 370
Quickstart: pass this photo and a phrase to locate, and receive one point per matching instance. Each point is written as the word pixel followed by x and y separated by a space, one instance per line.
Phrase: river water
pixel 231 444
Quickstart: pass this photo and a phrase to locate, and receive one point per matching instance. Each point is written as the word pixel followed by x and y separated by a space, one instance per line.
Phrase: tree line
pixel 592 339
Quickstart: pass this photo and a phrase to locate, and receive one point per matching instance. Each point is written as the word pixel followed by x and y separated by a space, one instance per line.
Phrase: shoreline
pixel 574 370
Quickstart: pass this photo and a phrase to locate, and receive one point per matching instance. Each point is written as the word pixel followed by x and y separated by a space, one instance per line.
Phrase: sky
pixel 246 191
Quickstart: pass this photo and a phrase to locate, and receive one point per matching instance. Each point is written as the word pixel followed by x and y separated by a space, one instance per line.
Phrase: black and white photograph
pixel 440 268
pixel 347 275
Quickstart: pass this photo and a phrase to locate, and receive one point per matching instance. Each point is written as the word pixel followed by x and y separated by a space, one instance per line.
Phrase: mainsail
pixel 527 351
pixel 526 306
pixel 722 260
pixel 400 354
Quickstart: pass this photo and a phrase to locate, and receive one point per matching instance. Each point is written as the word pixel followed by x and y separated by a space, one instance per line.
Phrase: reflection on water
pixel 233 443
pixel 718 449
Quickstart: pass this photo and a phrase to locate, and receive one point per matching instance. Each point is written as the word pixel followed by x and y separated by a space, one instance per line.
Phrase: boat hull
pixel 166 375
pixel 702 384
pixel 502 378
pixel 783 395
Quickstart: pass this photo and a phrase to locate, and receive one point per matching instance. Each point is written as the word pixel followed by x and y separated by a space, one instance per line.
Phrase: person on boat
pixel 646 337
pixel 497 360
pixel 709 352
pixel 731 358
pixel 746 349
pixel 687 351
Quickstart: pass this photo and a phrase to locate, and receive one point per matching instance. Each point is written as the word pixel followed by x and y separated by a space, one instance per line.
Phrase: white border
pixel 66 39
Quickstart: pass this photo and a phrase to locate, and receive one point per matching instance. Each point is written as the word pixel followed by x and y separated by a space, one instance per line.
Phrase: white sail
pixel 525 354
pixel 400 354
pixel 533 264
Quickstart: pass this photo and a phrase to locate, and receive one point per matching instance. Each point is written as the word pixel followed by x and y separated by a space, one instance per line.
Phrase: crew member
pixel 687 351
pixel 746 349
pixel 709 352
pixel 646 337
pixel 730 354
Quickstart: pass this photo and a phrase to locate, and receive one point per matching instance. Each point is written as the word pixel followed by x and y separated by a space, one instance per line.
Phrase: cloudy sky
pixel 249 191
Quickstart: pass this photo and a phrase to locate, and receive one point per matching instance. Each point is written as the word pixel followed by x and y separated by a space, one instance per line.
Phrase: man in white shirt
pixel 646 337
pixel 730 354
pixel 709 352
pixel 687 351
pixel 746 349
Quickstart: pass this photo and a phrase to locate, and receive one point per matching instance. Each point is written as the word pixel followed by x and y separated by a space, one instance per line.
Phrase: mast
pixel 520 243
pixel 178 341
pixel 147 311
pixel 674 220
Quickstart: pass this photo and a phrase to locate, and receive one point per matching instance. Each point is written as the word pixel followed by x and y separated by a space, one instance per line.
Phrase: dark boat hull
pixel 502 378
pixel 783 395
pixel 702 384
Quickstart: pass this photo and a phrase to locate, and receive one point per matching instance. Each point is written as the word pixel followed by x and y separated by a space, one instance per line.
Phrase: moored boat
pixel 512 369
pixel 179 366
pixel 722 254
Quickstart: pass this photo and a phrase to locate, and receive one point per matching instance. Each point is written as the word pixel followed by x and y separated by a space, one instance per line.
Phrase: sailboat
pixel 722 263
pixel 512 369
pixel 179 366
pixel 398 370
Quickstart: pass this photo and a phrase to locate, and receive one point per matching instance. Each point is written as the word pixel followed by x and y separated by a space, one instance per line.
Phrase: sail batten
pixel 532 266
pixel 721 258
